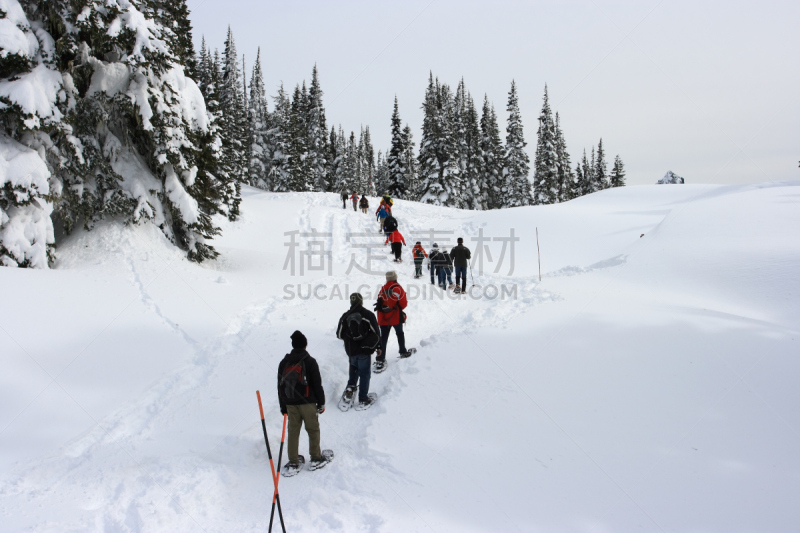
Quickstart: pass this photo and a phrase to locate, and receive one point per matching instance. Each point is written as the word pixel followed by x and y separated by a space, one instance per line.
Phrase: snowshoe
pixel 457 290
pixel 366 404
pixel 292 469
pixel 327 457
pixel 378 367
pixel 451 286
pixel 408 353
pixel 346 402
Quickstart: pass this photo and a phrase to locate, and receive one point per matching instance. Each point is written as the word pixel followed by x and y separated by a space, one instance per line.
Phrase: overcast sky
pixel 710 90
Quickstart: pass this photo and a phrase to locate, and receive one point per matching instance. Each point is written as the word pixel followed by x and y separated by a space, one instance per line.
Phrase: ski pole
pixel 275 496
pixel 277 479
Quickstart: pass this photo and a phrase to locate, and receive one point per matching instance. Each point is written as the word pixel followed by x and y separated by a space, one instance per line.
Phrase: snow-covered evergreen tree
pixel 366 154
pixel 301 177
pixel 27 66
pixel 517 163
pixel 279 142
pixel 618 173
pixel 258 118
pixel 473 172
pixel 546 178
pixel 493 159
pixel 233 122
pixel 317 131
pixel 601 169
pixel 381 173
pixel 396 184
pixel 439 180
pixel 410 163
pixel 566 179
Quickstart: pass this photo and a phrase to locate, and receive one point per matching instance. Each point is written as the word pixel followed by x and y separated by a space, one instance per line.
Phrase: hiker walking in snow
pixel 387 202
pixel 364 204
pixel 391 302
pixel 448 268
pixel 382 214
pixel 354 198
pixel 302 397
pixel 359 330
pixel 461 256
pixel 398 242
pixel 436 264
pixel 344 196
pixel 419 254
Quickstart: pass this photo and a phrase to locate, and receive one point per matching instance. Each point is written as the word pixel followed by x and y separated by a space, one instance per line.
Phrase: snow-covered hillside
pixel 647 383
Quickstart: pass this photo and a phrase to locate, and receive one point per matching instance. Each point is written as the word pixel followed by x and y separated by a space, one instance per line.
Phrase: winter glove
pixel 320 409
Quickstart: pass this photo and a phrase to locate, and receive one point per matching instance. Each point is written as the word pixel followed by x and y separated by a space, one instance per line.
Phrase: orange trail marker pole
pixel 272 471
pixel 277 479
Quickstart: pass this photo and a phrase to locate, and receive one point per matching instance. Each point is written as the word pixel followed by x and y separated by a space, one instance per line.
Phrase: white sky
pixel 709 90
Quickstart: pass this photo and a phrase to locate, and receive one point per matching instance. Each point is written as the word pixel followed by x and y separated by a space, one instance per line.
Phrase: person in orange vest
pixel 398 242
pixel 419 255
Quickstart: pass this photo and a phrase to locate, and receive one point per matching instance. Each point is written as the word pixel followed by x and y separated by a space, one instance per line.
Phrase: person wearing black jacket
pixel 302 397
pixel 359 349
pixel 461 257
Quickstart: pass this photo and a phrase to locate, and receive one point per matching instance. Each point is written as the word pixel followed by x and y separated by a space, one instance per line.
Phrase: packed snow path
pixel 645 383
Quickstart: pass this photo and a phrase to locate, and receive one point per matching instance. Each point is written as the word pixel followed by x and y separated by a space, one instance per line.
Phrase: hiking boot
pixel 348 393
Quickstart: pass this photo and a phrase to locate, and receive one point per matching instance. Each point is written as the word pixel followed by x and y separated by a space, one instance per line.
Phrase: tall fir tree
pixel 300 173
pixel 439 180
pixel 317 131
pixel 233 123
pixel 279 142
pixel 395 183
pixel 473 169
pixel 409 162
pixel 566 179
pixel 601 169
pixel 258 116
pixel 546 179
pixel 618 173
pixel 517 164
pixel 367 154
pixel 493 159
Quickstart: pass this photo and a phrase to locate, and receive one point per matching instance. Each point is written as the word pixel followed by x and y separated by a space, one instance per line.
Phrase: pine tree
pixel 396 184
pixel 317 131
pixel 546 179
pixel 300 172
pixel 600 169
pixel 475 194
pixel 367 164
pixel 439 181
pixel 566 180
pixel 233 122
pixel 279 142
pixel 258 117
pixel 517 164
pixel 409 163
pixel 493 159
pixel 618 173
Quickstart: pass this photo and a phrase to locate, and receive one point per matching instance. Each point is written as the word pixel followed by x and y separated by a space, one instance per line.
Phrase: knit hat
pixel 435 245
pixel 299 340
pixel 419 243
pixel 460 240
pixel 356 299
pixel 391 276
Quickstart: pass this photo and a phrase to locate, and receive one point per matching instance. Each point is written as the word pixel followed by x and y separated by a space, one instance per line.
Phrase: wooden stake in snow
pixel 538 253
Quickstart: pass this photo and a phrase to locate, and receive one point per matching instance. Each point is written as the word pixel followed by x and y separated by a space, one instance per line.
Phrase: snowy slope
pixel 644 384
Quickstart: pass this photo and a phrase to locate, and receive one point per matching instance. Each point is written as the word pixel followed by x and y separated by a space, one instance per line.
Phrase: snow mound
pixel 670 177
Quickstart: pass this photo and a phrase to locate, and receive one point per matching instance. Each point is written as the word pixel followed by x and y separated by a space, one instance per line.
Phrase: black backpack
pixel 358 330
pixel 390 224
pixel 294 382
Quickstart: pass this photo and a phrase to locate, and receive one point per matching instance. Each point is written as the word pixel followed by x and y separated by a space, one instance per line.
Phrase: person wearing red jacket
pixel 419 255
pixel 391 302
pixel 354 198
pixel 398 242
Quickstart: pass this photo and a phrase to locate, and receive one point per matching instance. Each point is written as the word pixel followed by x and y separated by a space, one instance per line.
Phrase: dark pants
pixel 418 267
pixel 401 339
pixel 441 277
pixel 461 274
pixel 397 250
pixel 360 371
pixel 344 203
pixel 433 272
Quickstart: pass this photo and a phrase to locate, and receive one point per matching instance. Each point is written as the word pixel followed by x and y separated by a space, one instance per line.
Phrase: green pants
pixel 297 415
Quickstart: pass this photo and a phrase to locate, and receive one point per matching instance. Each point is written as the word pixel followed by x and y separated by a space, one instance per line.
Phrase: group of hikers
pixel 300 392
pixel 363 203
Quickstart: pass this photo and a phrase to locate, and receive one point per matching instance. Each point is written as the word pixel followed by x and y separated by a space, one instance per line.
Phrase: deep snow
pixel 646 383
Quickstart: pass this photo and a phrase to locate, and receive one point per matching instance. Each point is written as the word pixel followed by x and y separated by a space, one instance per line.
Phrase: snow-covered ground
pixel 645 384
